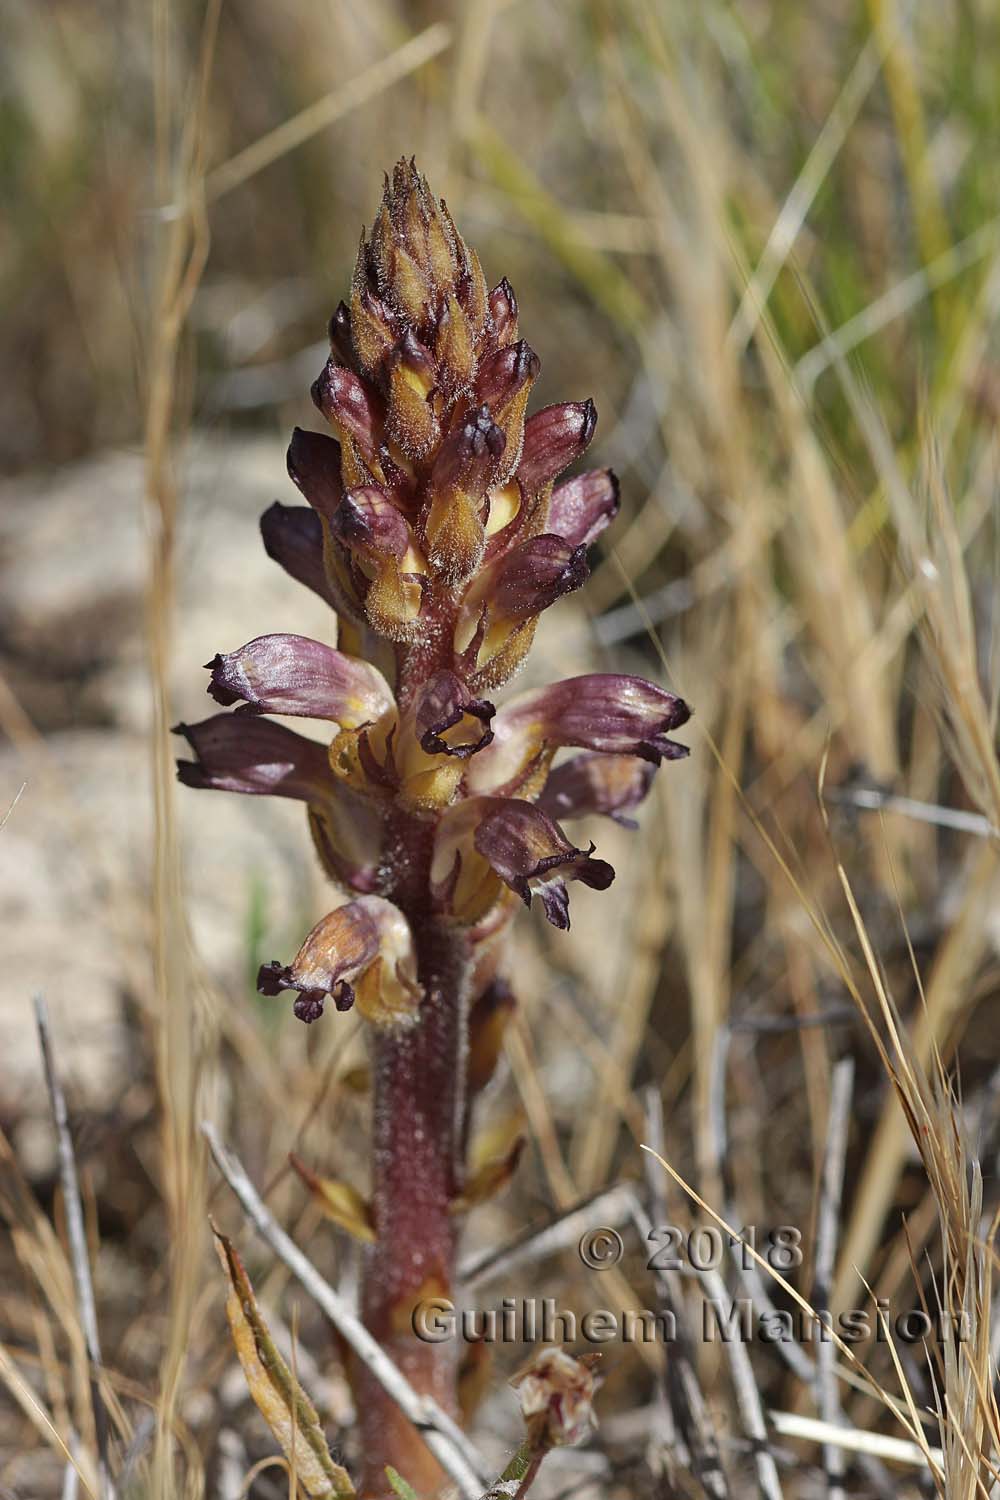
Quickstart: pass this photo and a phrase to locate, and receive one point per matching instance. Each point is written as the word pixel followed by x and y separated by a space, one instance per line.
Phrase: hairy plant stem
pixel 418 1111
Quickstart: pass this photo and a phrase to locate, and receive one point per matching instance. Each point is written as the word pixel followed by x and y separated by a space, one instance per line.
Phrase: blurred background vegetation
pixel 764 237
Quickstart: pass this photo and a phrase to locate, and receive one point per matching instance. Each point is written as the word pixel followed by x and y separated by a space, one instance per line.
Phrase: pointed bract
pixel 503 310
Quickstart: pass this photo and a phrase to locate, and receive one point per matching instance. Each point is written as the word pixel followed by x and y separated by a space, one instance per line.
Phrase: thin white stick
pixel 17 797
pixel 71 1475
pixel 442 1435
pixel 77 1235
pixel 656 1198
pixel 612 1206
pixel 714 1289
pixel 897 1450
pixel 872 799
pixel 793 1354
pixel 827 1393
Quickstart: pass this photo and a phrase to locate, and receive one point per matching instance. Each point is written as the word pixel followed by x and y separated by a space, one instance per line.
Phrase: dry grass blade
pixel 899 1411
pixel 78 1247
pixel 315 117
pixel 689 1407
pixel 39 1418
pixel 280 1399
pixel 16 799
pixel 964 1387
pixel 182 254
pixel 878 1444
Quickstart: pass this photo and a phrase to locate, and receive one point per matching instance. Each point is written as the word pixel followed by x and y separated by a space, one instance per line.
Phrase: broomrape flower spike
pixel 438 528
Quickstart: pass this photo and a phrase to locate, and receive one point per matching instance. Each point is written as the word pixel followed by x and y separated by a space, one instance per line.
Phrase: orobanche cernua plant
pixel 438 530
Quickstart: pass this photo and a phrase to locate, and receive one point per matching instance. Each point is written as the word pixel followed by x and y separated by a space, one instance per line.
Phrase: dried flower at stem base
pixel 556 1392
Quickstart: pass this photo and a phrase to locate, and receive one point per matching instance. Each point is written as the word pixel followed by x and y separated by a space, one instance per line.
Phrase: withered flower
pixel 438 528
pixel 556 1392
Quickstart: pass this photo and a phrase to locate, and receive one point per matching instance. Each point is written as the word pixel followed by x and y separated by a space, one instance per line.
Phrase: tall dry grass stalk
pixel 181 249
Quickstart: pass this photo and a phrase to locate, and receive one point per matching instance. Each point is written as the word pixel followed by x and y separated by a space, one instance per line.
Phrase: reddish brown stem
pixel 416 1168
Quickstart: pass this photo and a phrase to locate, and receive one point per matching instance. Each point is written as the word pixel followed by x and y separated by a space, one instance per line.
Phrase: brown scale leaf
pixel 489 1179
pixel 339 1202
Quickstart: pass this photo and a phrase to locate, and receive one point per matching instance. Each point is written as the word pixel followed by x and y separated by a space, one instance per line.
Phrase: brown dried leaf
pixel 281 1401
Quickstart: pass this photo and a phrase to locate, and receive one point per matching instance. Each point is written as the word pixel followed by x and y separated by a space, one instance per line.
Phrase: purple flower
pixel 554 438
pixel 290 674
pixel 618 715
pixel 242 753
pixel 293 537
pixel 362 952
pixel 608 784
pixel 245 753
pixel 533 856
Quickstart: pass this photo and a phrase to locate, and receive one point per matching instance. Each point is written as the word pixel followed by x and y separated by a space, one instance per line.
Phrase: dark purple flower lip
pixel 478 708
pixel 444 703
pixel 274 978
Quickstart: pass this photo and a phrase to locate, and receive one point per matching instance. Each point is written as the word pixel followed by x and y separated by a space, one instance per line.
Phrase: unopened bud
pixel 503 310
